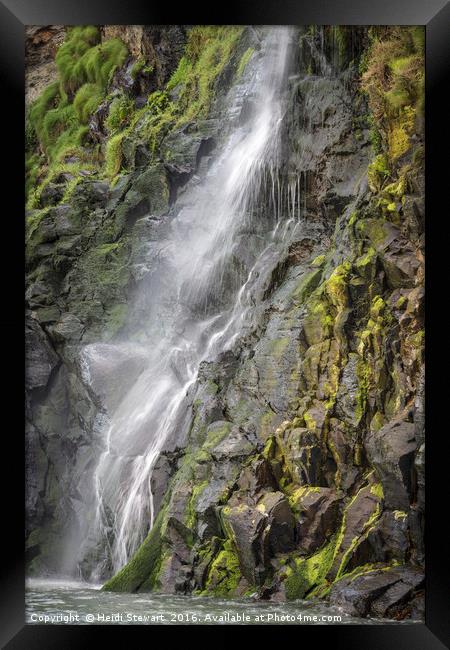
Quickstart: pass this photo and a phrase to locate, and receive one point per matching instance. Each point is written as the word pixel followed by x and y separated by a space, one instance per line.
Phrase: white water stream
pixel 192 318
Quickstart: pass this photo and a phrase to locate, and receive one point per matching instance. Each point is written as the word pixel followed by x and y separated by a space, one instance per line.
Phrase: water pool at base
pixel 57 602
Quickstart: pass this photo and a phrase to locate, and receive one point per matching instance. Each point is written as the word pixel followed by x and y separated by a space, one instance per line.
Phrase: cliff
pixel 300 473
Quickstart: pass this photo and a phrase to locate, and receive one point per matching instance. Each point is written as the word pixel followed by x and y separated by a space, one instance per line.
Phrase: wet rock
pixel 36 466
pixel 391 451
pixel 41 359
pixel 51 195
pixel 292 378
pixel 388 540
pixel 347 391
pixel 317 511
pixel 280 527
pixel 159 46
pixel 304 454
pixel 183 150
pixel 235 445
pixel 257 476
pixel 68 328
pixel 109 370
pixel 178 536
pixel 381 593
pixel 42 43
pixel 162 471
pixel 247 526
pixel 47 315
pixel 358 518
pixel 148 194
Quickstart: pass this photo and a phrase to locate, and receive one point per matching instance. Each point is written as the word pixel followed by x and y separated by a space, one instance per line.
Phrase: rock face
pixel 160 47
pixel 41 46
pixel 386 593
pixel 302 474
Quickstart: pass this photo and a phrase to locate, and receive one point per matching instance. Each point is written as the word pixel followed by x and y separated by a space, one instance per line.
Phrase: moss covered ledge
pixel 144 566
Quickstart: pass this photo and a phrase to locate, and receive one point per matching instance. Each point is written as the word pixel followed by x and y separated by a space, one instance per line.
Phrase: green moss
pixel 309 572
pixel 418 339
pixel 377 172
pixel 191 511
pixel 319 260
pixel 85 66
pixel 55 172
pixel 77 42
pixel 245 58
pixel 144 565
pixel 319 320
pixel 377 421
pixel 368 526
pixel 397 189
pixel 95 64
pixel 180 75
pixel 341 36
pixel 120 113
pixel 141 68
pixel 216 435
pixel 399 133
pixel 297 494
pixel 60 115
pixel 310 422
pixel 207 52
pixel 86 101
pixel 224 573
pixel 337 285
pixel 377 490
pixel 394 83
pixel 366 264
pixel 33 170
pixel 114 154
pixel 308 283
pixel 374 230
pixel 269 448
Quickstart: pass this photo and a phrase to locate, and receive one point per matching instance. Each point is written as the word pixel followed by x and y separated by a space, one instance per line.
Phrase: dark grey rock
pixel 391 451
pixel 40 358
pixel 381 592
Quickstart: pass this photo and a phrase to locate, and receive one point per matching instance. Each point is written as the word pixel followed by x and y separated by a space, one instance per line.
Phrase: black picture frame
pixel 14 15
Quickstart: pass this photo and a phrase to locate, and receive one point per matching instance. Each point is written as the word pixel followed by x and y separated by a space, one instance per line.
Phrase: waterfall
pixel 201 302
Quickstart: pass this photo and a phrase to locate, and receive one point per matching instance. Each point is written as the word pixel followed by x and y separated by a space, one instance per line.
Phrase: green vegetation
pixel 309 572
pixel 245 58
pixel 86 100
pixel 120 111
pixel 224 573
pixel 79 60
pixel 393 79
pixel 145 564
pixel 57 130
pixel 208 50
pixel 57 120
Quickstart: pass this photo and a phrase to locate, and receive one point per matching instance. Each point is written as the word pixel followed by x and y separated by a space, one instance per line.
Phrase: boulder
pixel 246 526
pixel 391 451
pixel 388 540
pixel 280 526
pixel 317 511
pixel 381 593
pixel 358 518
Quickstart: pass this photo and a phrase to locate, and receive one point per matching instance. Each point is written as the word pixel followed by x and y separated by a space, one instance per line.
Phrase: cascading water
pixel 201 302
